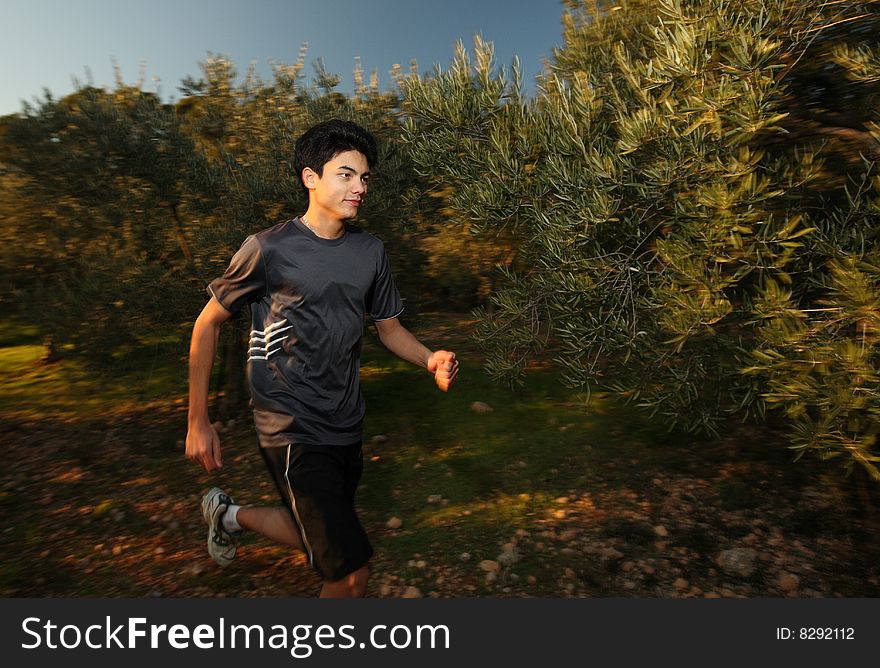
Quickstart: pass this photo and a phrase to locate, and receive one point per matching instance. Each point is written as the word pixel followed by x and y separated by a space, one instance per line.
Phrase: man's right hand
pixel 203 445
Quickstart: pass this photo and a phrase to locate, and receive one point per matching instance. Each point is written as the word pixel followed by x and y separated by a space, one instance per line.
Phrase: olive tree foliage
pixel 94 236
pixel 694 197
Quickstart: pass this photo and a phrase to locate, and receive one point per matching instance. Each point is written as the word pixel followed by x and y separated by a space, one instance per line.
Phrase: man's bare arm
pixel 399 340
pixel 202 441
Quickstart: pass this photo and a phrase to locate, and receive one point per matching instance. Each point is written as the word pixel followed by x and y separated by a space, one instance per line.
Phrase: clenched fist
pixel 444 366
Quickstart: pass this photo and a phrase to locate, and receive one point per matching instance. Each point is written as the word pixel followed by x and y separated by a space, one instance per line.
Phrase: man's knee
pixel 353 585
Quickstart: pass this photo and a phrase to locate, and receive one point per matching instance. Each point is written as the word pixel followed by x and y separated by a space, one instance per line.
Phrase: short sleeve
pixel 245 278
pixel 384 302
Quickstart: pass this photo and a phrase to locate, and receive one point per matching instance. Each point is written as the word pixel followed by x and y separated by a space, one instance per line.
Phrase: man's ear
pixel 308 177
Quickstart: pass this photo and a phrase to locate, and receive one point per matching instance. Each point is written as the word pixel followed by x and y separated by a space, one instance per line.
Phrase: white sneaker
pixel 222 544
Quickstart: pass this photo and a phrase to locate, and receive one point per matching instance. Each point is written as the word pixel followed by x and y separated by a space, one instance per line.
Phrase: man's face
pixel 341 189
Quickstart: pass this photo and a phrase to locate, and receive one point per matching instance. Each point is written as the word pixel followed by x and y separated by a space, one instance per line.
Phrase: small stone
pixel 629 585
pixel 435 498
pixel 711 594
pixel 465 556
pixel 610 553
pixel 491 577
pixel 531 579
pixel 481 407
pixel 412 592
pixel 421 564
pixel 661 531
pixel 379 439
pixel 159 550
pixel 490 566
pixel 738 561
pixel 788 582
pixel 681 584
pixel 570 574
pixel 385 590
pixel 117 550
pixel 394 523
pixel 509 557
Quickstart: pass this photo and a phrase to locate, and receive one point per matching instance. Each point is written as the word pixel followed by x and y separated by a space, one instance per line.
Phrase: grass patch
pixel 35 389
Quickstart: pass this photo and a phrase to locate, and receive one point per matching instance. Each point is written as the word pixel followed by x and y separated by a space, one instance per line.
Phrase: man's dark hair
pixel 321 142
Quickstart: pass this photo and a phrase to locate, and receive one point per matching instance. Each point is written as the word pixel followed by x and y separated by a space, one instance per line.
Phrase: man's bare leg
pixel 353 585
pixel 273 522
pixel 276 524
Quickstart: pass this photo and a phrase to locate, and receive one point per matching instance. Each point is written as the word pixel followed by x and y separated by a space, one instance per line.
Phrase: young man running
pixel 309 281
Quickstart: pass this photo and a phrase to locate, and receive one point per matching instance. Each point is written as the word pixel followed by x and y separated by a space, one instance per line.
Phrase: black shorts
pixel 317 484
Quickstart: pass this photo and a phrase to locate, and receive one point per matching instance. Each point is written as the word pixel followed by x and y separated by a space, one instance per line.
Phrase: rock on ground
pixel 738 561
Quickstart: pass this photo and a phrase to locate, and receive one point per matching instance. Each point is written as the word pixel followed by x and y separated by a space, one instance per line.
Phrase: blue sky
pixel 45 43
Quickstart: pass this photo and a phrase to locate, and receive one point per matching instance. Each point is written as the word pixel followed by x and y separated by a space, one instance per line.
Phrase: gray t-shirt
pixel 308 299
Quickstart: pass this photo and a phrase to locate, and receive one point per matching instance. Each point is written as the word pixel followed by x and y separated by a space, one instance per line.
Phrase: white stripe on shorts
pixel 302 529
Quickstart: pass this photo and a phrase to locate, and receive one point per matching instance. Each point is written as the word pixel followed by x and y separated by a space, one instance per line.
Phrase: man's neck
pixel 323 225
